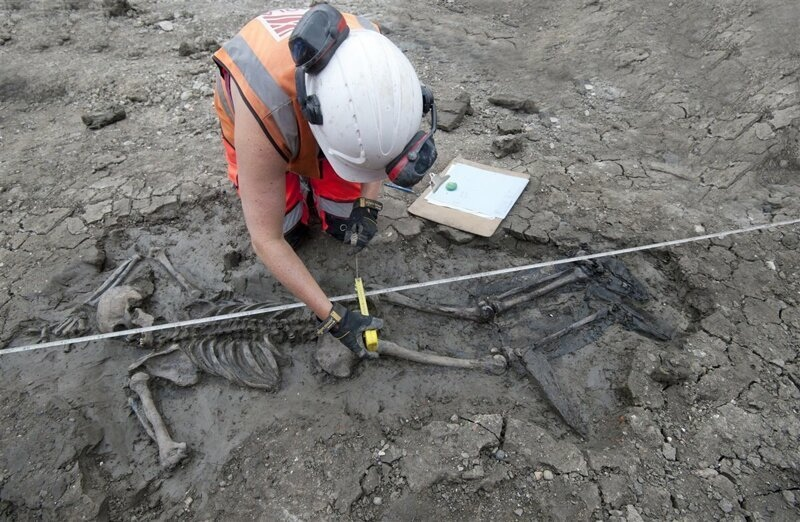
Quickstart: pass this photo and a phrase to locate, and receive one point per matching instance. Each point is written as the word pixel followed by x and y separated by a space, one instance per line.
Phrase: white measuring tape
pixel 402 288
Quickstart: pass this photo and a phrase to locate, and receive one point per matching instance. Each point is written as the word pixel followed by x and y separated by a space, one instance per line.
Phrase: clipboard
pixel 459 219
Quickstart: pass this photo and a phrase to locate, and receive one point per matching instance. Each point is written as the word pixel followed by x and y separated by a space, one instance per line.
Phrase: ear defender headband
pixel 314 40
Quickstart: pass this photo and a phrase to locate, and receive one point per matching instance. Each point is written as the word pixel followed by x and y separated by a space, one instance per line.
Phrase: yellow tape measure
pixel 370 336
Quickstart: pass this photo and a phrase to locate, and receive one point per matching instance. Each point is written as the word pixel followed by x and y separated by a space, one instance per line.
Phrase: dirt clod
pixel 515 103
pixel 98 120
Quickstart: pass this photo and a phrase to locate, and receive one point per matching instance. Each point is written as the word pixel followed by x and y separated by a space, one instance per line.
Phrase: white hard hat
pixel 371 104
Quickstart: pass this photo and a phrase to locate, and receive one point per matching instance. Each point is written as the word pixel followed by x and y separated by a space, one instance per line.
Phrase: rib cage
pixel 238 350
pixel 244 361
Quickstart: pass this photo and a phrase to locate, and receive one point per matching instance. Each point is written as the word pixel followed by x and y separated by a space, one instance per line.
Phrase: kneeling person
pixel 318 100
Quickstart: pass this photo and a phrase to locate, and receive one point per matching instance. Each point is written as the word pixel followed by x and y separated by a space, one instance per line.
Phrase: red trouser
pixel 333 196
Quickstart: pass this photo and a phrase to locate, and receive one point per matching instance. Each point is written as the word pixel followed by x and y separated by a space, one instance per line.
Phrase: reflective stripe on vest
pixel 278 103
pixel 337 208
pixel 223 97
pixel 366 24
pixel 292 218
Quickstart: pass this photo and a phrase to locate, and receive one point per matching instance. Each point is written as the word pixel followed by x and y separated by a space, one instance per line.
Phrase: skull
pixel 116 310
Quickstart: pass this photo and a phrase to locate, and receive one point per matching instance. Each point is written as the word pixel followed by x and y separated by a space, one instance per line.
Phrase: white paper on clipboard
pixel 481 192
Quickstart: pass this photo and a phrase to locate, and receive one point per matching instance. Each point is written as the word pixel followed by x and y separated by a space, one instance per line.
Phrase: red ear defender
pixel 420 154
pixel 416 159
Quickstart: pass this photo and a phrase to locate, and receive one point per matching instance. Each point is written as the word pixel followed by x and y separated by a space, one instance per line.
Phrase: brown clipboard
pixel 468 222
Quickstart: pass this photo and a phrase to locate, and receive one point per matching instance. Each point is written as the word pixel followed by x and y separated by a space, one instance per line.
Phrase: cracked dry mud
pixel 656 120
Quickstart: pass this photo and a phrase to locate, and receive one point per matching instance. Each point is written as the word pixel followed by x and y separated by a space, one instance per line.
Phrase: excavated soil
pixel 646 121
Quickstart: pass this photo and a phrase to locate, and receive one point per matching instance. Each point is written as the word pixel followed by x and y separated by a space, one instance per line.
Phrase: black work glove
pixel 363 223
pixel 348 328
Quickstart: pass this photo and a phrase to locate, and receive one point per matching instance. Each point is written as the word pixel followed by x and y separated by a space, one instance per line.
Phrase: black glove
pixel 363 223
pixel 348 327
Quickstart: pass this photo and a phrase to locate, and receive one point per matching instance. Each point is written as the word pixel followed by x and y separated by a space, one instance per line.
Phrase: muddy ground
pixel 651 120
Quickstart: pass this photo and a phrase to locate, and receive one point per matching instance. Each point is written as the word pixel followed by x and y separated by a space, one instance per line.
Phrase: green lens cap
pixel 451 185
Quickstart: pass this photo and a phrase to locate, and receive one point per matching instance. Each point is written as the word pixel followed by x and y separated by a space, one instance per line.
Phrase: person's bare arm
pixel 262 189
pixel 371 190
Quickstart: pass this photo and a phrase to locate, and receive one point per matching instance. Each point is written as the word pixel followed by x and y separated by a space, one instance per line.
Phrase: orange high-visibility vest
pixel 258 60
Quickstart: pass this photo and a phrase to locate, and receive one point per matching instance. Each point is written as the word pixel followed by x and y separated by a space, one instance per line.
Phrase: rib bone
pixel 495 364
pixel 170 452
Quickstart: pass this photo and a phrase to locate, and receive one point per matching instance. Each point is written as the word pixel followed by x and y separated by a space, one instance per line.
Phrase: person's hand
pixel 363 223
pixel 348 327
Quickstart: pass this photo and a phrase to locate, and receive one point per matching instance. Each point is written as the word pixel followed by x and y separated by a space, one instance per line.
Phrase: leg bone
pixel 488 308
pixel 495 364
pixel 551 285
pixel 169 451
pixel 473 313
pixel 161 256
pixel 116 277
pixel 600 314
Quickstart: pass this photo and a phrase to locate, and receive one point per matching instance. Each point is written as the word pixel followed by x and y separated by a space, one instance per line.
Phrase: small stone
pixel 789 497
pixel 726 505
pixel 632 515
pixel 371 480
pixel 116 7
pixel 186 95
pixel 188 501
pixel 783 118
pixel 515 103
pixel 500 455
pixel 509 127
pixel 75 225
pixel 377 501
pixel 186 49
pixel 454 418
pixel 165 25
pixel 502 146
pixel 408 227
pixel 231 260
pixel 669 451
pixel 474 473
pixel 537 475
pixel 98 120
pixel 764 131
pixel 519 512
pixel 547 475
pixel 334 358
pixel 210 45
pixel 459 237
pixel 706 473
pixel 391 454
pixel 450 114
pixel 96 212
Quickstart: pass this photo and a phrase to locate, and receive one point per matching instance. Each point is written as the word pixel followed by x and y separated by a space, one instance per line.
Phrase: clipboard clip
pixel 436 182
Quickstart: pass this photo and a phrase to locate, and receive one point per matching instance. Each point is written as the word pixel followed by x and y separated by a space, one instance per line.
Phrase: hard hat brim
pixel 349 172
